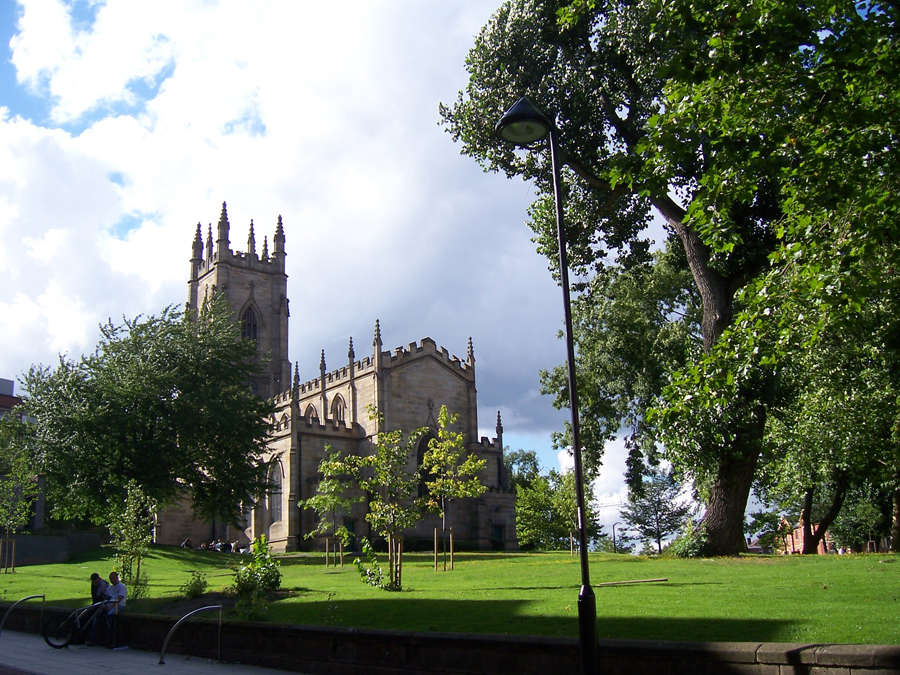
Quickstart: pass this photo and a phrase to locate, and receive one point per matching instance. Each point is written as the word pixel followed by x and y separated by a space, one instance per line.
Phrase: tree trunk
pixel 812 538
pixel 895 517
pixel 806 519
pixel 724 519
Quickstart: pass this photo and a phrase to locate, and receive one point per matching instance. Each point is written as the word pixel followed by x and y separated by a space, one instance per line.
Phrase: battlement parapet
pixel 330 427
pixel 490 443
pixel 283 397
pixel 428 346
pixel 249 261
pixel 363 366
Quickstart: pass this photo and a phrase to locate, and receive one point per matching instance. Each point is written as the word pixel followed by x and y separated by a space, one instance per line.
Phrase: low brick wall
pixel 42 549
pixel 347 651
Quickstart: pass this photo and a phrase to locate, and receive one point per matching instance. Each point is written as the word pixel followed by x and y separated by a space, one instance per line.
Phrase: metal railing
pixel 162 653
pixel 13 606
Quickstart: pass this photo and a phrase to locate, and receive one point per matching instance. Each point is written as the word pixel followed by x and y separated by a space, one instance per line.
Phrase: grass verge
pixel 831 599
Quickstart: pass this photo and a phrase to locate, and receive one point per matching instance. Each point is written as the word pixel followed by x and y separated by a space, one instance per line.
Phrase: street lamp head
pixel 523 124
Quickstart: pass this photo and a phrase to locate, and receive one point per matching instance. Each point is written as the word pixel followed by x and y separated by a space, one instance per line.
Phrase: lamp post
pixel 523 124
pixel 615 550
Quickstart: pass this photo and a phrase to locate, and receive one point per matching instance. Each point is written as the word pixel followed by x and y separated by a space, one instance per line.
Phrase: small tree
pixel 331 498
pixel 131 527
pixel 448 473
pixel 654 510
pixel 386 477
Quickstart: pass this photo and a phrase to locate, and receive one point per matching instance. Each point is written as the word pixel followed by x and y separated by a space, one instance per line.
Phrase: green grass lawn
pixel 840 599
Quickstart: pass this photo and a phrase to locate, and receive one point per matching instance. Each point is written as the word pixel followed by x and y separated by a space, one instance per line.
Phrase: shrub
pixel 195 586
pixel 253 581
pixel 691 543
pixel 373 574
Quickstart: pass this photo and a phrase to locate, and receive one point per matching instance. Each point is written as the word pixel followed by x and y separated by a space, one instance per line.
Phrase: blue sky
pixel 124 124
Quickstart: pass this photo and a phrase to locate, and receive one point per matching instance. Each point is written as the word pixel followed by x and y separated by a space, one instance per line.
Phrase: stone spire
pixel 251 241
pixel 499 431
pixel 222 242
pixel 377 360
pixel 209 244
pixel 265 252
pixel 295 390
pixel 278 239
pixel 278 247
pixel 197 252
pixel 350 353
pixel 470 359
pixel 324 396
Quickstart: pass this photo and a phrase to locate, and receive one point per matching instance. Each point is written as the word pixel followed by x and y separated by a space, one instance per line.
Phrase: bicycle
pixel 61 631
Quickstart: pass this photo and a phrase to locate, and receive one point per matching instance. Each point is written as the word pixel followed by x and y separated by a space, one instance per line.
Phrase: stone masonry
pixel 408 385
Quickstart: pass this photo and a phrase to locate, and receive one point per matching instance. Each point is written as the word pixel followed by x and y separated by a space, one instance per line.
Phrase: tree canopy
pixel 762 134
pixel 163 401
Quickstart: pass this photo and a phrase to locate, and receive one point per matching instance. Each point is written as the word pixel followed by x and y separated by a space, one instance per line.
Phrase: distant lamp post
pixel 524 124
pixel 615 550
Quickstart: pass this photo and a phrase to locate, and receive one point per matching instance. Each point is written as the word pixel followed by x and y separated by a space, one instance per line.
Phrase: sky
pixel 123 125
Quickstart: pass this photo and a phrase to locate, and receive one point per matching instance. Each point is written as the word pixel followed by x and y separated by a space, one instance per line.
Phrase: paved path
pixel 28 654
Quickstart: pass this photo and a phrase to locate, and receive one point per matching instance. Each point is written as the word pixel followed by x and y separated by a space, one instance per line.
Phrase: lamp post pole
pixel 615 550
pixel 523 124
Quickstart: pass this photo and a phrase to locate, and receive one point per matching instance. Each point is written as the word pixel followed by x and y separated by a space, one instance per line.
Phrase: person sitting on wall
pixel 114 603
pixel 98 589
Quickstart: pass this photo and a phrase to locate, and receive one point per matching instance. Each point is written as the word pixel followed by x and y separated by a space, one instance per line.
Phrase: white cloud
pixel 160 111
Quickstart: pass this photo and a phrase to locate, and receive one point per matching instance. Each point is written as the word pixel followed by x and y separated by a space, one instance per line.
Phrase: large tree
pixel 163 401
pixel 833 431
pixel 802 95
pixel 760 131
pixel 601 78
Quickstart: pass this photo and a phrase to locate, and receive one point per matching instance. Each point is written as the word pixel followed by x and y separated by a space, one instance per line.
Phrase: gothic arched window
pixel 249 325
pixel 311 414
pixel 275 495
pixel 420 458
pixel 337 409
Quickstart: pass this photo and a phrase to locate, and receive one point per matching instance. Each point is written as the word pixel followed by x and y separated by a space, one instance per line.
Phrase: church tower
pixel 255 287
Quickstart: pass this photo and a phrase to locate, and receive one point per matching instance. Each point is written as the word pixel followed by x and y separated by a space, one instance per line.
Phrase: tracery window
pixel 249 325
pixel 420 457
pixel 337 409
pixel 311 414
pixel 275 496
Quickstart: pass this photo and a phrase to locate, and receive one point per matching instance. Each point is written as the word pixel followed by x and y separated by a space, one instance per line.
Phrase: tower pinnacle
pixel 251 241
pixel 222 242
pixel 197 252
pixel 278 239
pixel 377 341
pixel 209 243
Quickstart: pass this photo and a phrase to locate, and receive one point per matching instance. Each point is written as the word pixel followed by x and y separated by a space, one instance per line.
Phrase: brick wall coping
pixel 323 650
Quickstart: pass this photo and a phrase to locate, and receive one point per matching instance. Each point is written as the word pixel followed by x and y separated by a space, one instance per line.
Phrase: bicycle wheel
pixel 58 632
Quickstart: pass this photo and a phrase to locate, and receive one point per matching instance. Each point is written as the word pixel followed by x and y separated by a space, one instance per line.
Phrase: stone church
pixel 408 385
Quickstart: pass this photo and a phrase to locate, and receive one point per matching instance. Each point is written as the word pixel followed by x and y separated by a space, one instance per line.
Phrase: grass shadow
pixel 515 617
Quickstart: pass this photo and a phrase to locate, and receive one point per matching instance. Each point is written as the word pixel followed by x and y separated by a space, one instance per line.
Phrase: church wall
pixel 409 385
pixel 409 388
